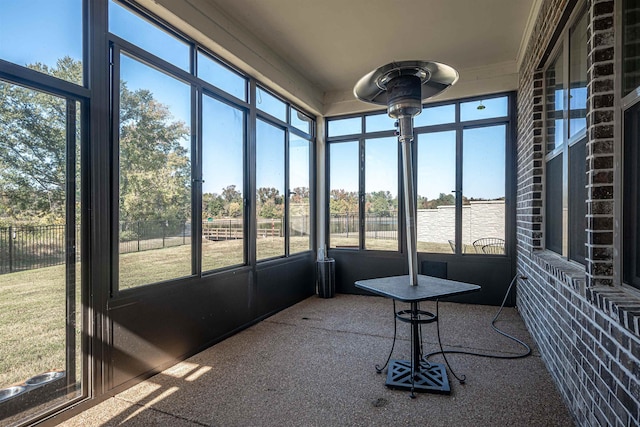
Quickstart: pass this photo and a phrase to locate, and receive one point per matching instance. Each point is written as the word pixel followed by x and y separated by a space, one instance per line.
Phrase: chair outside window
pixel 489 245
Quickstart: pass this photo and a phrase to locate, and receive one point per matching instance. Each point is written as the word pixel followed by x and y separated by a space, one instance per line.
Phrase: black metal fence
pixel 29 247
pixel 136 236
pixel 377 226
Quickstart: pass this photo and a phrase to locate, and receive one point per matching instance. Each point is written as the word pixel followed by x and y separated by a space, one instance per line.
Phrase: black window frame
pixel 565 192
pixel 458 126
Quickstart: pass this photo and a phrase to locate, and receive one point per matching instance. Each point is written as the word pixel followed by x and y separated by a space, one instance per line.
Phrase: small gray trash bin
pixel 326 278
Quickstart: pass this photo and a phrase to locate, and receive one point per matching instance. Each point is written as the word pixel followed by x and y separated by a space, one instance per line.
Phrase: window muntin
pixel 40 239
pixel 344 223
pixel 223 141
pixel 221 77
pixel 483 188
pixel 270 190
pixel 348 126
pixel 154 185
pixel 52 48
pixel 150 37
pixel 271 105
pixel 299 194
pixel 381 193
pixel 436 182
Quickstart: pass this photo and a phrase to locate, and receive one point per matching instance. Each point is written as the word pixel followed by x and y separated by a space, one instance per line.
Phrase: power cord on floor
pixel 495 328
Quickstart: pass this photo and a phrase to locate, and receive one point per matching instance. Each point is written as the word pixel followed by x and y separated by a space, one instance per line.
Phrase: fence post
pixel 10 249
pixel 164 231
pixel 138 233
pixel 184 232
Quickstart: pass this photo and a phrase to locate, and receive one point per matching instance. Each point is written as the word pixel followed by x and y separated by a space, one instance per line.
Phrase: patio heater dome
pixel 401 86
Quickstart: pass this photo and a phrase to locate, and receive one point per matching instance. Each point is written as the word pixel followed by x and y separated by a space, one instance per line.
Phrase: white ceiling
pixel 335 42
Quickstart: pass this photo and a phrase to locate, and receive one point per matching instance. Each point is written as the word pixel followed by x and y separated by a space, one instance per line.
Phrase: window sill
pixel 619 303
pixel 568 272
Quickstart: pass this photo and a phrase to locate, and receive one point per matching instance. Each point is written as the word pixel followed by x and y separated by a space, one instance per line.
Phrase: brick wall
pixel 586 328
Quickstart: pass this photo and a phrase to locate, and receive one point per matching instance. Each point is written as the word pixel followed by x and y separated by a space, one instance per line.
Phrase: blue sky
pixel 483 149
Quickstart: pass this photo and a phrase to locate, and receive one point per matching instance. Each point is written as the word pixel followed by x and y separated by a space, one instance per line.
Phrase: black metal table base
pixel 430 377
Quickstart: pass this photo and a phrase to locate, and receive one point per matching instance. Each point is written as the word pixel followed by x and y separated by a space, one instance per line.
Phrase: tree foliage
pixel 33 133
pixel 155 169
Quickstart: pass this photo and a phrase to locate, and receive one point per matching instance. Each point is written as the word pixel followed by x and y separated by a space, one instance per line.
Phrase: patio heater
pixel 402 86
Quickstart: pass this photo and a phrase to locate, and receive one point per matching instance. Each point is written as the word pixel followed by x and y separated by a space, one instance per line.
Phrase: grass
pixel 32 303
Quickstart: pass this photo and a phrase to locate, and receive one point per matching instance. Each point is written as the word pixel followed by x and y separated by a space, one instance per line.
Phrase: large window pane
pixel 40 297
pixel 578 76
pixel 483 189
pixel 270 190
pixel 301 121
pixel 439 115
pixel 148 36
pixel 630 46
pixel 271 105
pixel 344 226
pixel 348 126
pixel 381 199
pixel 436 203
pixel 484 109
pixel 221 77
pixel 299 197
pixel 43 35
pixel 223 183
pixel 554 104
pixel 155 176
pixel 378 122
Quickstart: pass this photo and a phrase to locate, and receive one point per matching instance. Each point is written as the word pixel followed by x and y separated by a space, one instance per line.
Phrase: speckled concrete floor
pixel 313 365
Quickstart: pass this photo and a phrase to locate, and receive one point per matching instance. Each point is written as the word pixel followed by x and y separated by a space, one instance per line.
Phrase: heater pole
pixel 405 137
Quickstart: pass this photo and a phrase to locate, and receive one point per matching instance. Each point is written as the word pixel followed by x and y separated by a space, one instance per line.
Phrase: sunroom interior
pixel 176 171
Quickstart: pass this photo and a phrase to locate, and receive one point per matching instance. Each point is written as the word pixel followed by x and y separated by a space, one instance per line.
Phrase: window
pixel 54 48
pixel 299 194
pixel 223 141
pixel 344 195
pixel 154 185
pixel 381 193
pixel 631 151
pixel 565 121
pixel 460 172
pixel 436 202
pixel 132 27
pixel 40 239
pixel 185 161
pixel 270 186
pixel 221 77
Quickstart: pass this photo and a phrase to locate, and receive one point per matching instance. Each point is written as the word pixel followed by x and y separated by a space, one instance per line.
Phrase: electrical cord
pixel 495 328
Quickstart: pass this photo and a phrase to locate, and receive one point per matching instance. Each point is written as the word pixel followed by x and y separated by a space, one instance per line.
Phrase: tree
pixel 155 170
pixel 270 203
pixel 33 148
pixel 381 203
pixel 343 202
